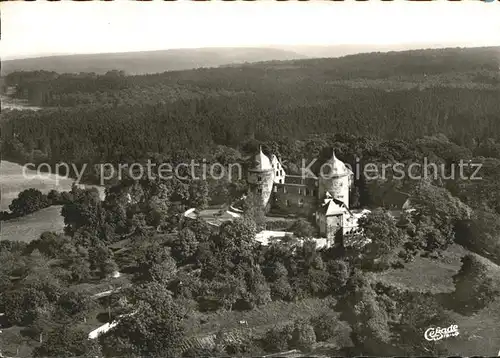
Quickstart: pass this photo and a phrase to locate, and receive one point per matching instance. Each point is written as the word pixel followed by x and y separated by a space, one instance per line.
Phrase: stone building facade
pixel 323 197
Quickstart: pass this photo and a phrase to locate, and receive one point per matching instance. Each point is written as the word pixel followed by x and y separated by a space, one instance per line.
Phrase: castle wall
pixel 260 184
pixel 333 225
pixel 321 224
pixel 294 199
pixel 298 179
pixel 329 225
pixel 338 187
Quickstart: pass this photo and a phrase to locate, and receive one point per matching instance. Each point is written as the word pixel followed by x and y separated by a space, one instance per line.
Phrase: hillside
pixel 321 51
pixel 201 290
pixel 147 61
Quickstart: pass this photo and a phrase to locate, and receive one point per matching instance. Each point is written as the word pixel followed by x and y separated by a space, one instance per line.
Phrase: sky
pixel 31 29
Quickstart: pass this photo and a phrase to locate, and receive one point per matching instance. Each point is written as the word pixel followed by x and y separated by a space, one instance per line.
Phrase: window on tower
pixel 259 191
pixel 259 178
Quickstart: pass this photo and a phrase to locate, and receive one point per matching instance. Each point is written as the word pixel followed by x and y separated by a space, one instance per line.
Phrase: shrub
pixel 28 201
pixel 235 342
pixel 277 225
pixel 303 228
pixel 276 339
pixel 325 327
pixel 303 336
pixel 474 289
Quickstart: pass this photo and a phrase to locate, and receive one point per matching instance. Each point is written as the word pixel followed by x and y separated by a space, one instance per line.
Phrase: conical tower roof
pixel 335 167
pixel 261 162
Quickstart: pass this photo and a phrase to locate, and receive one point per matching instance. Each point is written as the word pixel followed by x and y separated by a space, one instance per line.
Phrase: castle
pixel 324 198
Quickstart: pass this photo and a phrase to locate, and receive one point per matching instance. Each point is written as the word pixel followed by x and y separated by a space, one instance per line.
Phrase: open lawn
pixel 479 333
pixel 14 342
pixel 30 227
pixel 264 318
pixel 424 274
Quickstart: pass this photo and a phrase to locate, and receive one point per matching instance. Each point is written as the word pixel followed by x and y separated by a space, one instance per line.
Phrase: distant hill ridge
pixel 158 61
pixel 148 61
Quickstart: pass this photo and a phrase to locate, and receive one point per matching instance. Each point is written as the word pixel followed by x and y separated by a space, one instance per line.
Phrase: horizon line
pixel 426 45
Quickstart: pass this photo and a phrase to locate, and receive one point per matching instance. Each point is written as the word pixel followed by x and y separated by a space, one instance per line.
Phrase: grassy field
pixel 13 180
pixel 424 274
pixel 260 320
pixel 14 342
pixel 479 333
pixel 30 227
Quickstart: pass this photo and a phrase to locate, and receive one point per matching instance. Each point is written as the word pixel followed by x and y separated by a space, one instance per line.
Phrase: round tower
pixel 260 178
pixel 335 179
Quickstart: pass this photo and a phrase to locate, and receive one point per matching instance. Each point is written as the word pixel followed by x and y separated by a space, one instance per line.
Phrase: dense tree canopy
pixel 29 201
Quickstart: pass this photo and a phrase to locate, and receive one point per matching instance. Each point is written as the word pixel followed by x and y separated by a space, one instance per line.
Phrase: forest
pixel 185 286
pixel 114 117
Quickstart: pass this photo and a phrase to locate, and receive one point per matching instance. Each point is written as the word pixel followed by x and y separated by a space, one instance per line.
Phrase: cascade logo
pixel 436 334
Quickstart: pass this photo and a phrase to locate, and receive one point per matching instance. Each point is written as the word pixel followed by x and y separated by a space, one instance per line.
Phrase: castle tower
pixel 260 177
pixel 335 179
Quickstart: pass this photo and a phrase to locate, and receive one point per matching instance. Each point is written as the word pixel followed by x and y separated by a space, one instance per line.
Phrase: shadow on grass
pixel 467 307
pixel 29 333
pixel 105 317
pixel 4 322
